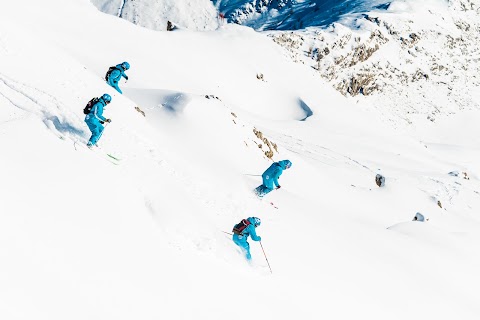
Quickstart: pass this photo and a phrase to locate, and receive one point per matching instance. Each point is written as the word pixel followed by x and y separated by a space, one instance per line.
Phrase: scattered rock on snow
pixel 380 180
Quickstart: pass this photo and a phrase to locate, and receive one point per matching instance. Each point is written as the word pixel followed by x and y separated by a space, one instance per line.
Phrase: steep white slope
pixel 191 14
pixel 260 15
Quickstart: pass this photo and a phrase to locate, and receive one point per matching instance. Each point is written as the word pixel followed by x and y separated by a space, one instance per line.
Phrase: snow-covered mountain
pixel 292 14
pixel 411 60
pixel 155 14
pixel 202 115
pixel 258 14
pixel 414 61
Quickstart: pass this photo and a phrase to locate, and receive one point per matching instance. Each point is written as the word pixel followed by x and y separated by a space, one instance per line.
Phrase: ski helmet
pixel 125 65
pixel 257 221
pixel 107 98
pixel 288 164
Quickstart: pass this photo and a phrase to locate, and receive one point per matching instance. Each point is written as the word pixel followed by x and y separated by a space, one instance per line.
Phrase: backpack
pixel 241 226
pixel 109 72
pixel 90 104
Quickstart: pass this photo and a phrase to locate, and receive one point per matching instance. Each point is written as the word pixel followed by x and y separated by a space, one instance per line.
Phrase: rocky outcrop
pixel 426 69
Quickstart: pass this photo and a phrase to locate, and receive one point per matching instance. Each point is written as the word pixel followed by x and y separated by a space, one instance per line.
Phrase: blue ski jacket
pixel 97 111
pixel 248 231
pixel 117 74
pixel 271 175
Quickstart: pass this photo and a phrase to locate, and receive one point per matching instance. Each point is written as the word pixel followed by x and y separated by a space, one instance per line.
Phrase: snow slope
pixel 84 238
pixel 192 14
pixel 293 14
pixel 416 62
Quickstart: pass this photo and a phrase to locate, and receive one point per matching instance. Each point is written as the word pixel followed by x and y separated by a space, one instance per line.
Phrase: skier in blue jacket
pixel 115 75
pixel 95 119
pixel 270 177
pixel 241 238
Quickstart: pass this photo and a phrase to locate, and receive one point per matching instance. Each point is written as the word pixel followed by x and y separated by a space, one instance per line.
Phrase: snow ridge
pixel 198 15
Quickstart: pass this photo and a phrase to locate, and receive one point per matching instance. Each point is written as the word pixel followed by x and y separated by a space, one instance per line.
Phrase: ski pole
pixel 266 257
pixel 253 175
pixel 227 233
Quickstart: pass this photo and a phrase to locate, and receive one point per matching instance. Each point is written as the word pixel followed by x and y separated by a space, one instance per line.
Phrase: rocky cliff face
pixel 427 60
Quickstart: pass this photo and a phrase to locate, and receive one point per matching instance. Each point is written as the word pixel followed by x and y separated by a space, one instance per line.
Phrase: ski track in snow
pixel 317 152
pixel 45 106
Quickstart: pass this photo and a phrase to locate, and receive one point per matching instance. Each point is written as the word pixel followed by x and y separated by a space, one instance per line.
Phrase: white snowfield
pixel 83 238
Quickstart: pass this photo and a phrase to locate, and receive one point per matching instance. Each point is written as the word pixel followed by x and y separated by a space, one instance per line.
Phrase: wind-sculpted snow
pixel 305 108
pixel 45 107
pixel 168 101
pixel 258 14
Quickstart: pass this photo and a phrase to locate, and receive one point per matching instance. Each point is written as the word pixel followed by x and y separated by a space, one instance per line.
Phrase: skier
pixel 242 230
pixel 116 73
pixel 270 177
pixel 95 119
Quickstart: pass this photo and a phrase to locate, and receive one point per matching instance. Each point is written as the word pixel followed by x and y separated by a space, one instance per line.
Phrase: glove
pixel 126 77
pixel 102 122
pixel 108 120
pixel 278 187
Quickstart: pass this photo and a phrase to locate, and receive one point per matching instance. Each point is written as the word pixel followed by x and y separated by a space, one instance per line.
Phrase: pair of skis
pixel 99 152
pixel 255 192
pixel 105 155
pixel 270 202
